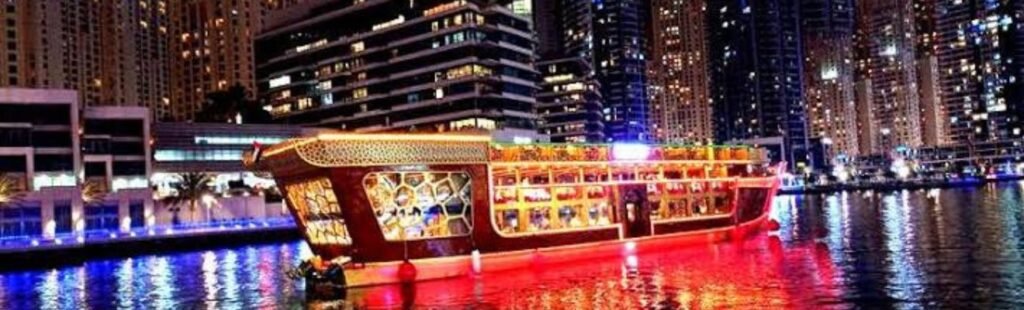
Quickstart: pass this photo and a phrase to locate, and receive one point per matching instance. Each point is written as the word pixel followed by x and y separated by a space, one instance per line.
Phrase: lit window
pixel 358 47
pixel 359 93
pixel 325 85
pixel 421 204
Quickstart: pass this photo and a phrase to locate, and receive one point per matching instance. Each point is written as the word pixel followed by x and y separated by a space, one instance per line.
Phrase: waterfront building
pixel 889 44
pixel 827 28
pixel 215 150
pixel 82 171
pixel 114 53
pixel 988 158
pixel 980 69
pixel 679 92
pixel 372 66
pixel 756 89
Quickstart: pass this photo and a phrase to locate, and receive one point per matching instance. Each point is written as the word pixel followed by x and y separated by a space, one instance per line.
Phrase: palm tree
pixel 9 190
pixel 93 192
pixel 190 190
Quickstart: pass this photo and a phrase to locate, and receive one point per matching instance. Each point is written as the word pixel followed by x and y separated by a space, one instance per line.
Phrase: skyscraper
pixel 828 28
pixel 756 75
pixel 889 51
pixel 934 118
pixel 980 47
pixel 112 52
pixel 212 48
pixel 400 66
pixel 680 103
pixel 619 44
pixel 569 102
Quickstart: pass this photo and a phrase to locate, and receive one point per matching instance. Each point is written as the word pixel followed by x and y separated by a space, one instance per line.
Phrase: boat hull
pixel 370 274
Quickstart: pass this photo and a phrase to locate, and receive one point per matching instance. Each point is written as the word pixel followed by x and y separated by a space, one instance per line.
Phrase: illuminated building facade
pixel 756 75
pixel 212 49
pixel 400 66
pixel 980 57
pixel 934 118
pixel 680 101
pixel 890 64
pixel 619 41
pixel 111 52
pixel 62 156
pixel 569 102
pixel 828 29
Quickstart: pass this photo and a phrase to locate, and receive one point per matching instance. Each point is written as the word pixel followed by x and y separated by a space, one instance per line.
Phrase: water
pixel 951 248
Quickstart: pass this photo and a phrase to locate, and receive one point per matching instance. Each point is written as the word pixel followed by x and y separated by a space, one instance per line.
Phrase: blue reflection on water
pixel 908 249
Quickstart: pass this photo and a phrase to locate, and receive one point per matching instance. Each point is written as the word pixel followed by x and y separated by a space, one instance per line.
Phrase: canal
pixel 939 248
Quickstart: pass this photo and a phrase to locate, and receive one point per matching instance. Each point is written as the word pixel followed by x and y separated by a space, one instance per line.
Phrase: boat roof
pixel 355 149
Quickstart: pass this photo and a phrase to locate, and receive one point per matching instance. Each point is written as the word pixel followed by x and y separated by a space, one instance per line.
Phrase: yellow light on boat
pixel 404 137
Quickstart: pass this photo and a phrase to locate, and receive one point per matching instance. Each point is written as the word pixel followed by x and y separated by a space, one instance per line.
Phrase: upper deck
pixel 355 150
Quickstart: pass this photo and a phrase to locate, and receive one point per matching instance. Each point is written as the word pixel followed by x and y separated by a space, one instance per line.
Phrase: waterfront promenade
pixel 26 252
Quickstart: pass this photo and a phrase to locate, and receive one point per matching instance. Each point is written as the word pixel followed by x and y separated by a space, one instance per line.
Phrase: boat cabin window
pixel 688 200
pixel 317 208
pixel 535 205
pixel 412 205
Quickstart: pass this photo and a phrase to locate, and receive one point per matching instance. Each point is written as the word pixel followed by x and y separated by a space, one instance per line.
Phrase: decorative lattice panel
pixel 421 204
pixel 318 209
pixel 335 153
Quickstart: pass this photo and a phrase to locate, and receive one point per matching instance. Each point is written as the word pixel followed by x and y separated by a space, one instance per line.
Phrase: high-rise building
pixel 828 29
pixel 889 51
pixel 680 101
pixel 981 69
pixel 619 50
pixel 212 49
pixel 756 76
pixel 11 59
pixel 934 119
pixel 569 102
pixel 112 52
pixel 400 66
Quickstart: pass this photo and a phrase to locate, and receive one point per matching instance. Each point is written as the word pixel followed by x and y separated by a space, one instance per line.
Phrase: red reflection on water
pixel 757 273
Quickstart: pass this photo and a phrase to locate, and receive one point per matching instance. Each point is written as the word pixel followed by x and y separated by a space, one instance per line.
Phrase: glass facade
pixel 21 221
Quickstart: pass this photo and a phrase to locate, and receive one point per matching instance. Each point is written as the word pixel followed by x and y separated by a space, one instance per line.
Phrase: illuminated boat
pixel 392 208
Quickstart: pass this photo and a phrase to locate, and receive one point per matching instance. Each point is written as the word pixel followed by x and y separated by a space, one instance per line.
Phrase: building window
pixel 359 93
pixel 137 213
pixel 21 221
pixel 358 47
pixel 62 216
pixel 102 217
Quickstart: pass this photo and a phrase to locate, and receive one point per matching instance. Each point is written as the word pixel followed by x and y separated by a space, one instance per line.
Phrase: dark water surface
pixel 957 248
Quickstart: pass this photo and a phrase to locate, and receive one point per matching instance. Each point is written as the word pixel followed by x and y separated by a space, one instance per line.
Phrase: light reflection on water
pixel 906 249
